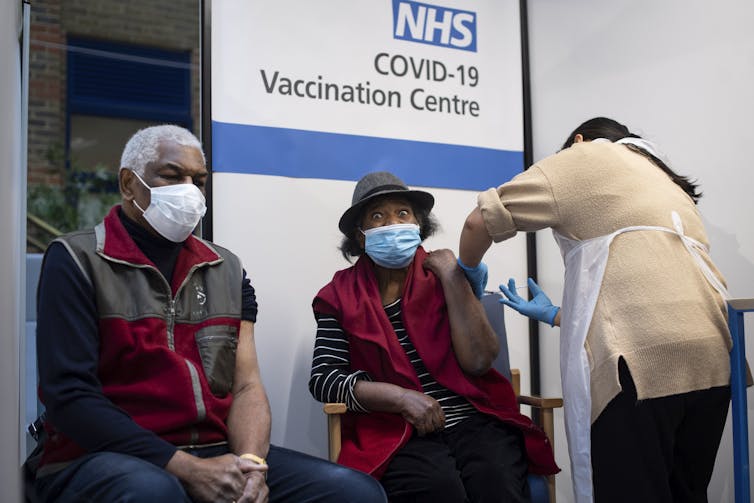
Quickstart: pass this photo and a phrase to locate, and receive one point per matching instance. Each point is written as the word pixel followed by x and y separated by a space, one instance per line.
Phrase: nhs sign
pixel 432 24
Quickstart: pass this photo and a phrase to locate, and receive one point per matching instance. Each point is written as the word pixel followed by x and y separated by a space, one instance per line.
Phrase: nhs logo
pixel 432 24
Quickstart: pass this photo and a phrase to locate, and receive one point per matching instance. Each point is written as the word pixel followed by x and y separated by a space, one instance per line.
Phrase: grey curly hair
pixel 141 149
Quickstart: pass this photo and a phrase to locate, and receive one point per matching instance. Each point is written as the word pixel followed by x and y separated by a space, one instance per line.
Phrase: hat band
pixel 383 188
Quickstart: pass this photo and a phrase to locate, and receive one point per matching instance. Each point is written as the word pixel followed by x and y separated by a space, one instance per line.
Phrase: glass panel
pixel 96 142
pixel 99 71
pixel 94 148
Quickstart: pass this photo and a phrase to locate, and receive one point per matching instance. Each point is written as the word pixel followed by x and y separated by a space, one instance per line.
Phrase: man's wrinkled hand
pixel 215 479
pixel 255 490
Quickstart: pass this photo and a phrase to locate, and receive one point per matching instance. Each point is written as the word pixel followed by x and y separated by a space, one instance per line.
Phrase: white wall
pixel 681 73
pixel 12 214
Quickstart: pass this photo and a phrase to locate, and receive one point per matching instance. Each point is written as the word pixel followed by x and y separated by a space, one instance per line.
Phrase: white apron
pixel 585 263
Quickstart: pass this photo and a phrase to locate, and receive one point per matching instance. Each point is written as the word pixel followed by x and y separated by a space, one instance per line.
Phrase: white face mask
pixel 174 211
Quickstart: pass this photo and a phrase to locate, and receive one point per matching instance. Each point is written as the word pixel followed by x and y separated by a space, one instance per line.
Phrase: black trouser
pixel 479 460
pixel 658 450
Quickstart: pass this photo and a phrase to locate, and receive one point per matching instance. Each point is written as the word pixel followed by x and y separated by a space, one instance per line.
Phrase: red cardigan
pixel 369 441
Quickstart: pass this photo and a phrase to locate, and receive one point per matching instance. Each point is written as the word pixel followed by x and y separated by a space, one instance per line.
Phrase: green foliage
pixel 79 202
pixel 49 203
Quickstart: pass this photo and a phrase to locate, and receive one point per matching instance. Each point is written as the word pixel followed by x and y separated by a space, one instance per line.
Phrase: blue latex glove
pixel 539 308
pixel 477 277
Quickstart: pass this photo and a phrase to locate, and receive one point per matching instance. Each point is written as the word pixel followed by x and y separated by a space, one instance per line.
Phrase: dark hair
pixel 602 127
pixel 428 225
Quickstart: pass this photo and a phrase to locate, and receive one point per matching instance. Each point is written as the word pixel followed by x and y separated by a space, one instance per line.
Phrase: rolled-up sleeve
pixel 525 203
pixel 497 218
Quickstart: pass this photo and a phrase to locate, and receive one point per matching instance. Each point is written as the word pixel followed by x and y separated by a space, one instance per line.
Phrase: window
pixel 97 75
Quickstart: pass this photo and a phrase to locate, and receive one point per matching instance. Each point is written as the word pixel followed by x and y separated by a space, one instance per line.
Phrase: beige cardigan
pixel 655 308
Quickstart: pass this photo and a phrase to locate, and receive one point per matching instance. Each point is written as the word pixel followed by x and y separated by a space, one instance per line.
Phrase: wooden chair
pixel 542 488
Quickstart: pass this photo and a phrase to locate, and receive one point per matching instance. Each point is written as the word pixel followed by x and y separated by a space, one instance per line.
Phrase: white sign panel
pixel 336 88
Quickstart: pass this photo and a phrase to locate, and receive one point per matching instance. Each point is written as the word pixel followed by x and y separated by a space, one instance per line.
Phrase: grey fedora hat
pixel 380 183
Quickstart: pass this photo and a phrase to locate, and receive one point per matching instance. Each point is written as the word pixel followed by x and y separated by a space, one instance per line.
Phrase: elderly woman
pixel 405 344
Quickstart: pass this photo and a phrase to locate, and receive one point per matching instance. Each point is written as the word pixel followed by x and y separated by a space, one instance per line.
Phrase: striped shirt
pixel 332 380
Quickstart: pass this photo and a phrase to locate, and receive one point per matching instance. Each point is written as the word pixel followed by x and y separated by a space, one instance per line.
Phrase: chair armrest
pixel 516 381
pixel 333 411
pixel 546 406
pixel 334 408
pixel 539 402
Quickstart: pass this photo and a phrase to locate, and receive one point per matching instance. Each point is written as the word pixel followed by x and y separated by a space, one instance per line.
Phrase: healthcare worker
pixel 644 338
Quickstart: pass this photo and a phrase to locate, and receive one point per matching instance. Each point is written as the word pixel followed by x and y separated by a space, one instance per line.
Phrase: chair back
pixel 538 484
pixel 494 311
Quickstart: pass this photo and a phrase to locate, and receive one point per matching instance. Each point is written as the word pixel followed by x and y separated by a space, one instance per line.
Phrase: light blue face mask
pixel 392 246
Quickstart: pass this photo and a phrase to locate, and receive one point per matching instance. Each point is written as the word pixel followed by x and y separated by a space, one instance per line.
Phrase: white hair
pixel 141 149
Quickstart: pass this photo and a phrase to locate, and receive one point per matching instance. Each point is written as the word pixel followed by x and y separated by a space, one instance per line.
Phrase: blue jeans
pixel 293 477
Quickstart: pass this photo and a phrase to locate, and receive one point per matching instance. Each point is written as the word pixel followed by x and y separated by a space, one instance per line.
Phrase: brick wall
pixel 164 24
pixel 46 91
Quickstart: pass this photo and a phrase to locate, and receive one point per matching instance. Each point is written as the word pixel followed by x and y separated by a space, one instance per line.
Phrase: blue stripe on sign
pixel 240 148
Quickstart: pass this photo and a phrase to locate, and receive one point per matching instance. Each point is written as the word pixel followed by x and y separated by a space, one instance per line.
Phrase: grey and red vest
pixel 167 352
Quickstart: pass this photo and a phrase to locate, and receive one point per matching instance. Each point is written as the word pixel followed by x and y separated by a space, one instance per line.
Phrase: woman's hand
pixel 440 262
pixel 422 411
pixel 444 262
pixel 539 308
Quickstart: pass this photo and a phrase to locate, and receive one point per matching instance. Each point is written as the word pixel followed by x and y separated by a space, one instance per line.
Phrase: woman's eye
pixel 376 215
pixel 403 213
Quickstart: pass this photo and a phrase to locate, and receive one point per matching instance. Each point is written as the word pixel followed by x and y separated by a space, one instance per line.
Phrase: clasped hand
pixel 539 307
pixel 225 478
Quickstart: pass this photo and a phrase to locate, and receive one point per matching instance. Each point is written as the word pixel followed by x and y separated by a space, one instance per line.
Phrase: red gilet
pixel 167 352
pixel 370 440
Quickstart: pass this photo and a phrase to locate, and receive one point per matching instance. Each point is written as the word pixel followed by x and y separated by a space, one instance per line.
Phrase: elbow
pixel 478 371
pixel 477 359
pixel 481 364
pixel 482 361
pixel 478 368
pixel 314 390
pixel 475 240
pixel 475 222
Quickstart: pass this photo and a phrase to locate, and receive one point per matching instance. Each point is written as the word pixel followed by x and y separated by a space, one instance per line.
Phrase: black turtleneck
pixel 162 252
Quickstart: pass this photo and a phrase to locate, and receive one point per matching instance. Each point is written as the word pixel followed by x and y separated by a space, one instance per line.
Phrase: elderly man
pixel 147 362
